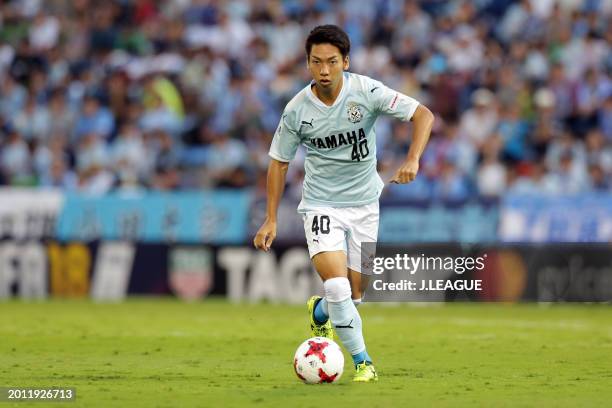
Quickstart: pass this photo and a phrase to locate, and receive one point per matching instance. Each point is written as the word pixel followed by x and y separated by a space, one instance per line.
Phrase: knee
pixel 337 289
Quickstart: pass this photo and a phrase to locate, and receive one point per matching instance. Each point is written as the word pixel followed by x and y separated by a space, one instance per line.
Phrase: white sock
pixel 344 315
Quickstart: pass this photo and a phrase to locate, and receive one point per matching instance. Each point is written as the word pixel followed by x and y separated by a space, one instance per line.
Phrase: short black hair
pixel 329 34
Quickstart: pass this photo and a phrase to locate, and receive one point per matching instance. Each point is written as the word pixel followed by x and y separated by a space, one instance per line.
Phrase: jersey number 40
pixel 360 150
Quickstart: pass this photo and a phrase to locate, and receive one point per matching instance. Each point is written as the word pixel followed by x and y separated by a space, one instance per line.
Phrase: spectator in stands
pixel 513 130
pixel 450 185
pixel 600 182
pixel 33 120
pixel 166 168
pixel 591 93
pixel 61 116
pixel 16 159
pixel 570 176
pixel 479 122
pixel 531 181
pixel 59 176
pixel 224 156
pixel 13 97
pixel 129 157
pixel 94 119
pixel 491 177
pixel 605 119
pixel 597 152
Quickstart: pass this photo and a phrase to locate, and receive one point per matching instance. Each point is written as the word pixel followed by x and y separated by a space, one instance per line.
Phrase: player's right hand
pixel 266 234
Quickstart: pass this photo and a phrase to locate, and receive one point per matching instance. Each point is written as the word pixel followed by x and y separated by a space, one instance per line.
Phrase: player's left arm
pixel 423 121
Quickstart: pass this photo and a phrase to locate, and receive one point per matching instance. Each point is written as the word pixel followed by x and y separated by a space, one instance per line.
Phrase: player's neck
pixel 326 96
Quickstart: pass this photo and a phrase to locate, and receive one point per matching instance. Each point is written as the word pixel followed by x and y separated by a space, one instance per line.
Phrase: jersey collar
pixel 318 102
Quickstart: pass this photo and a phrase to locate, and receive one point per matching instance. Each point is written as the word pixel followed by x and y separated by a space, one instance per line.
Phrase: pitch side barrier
pixel 233 216
pixel 113 270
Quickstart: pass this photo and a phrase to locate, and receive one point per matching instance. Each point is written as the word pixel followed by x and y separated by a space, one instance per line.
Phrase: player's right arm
pixel 277 173
pixel 283 148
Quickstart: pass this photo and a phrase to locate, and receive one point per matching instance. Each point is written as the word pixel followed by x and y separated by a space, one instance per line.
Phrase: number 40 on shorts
pixel 320 223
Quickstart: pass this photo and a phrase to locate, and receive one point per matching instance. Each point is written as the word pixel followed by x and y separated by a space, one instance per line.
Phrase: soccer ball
pixel 318 360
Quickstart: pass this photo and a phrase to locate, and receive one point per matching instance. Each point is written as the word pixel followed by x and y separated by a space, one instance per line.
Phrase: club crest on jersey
pixel 355 113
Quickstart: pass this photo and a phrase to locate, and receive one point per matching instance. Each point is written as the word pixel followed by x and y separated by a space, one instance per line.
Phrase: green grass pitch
pixel 165 353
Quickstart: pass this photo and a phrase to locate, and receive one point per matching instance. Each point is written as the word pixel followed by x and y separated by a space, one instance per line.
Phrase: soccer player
pixel 334 117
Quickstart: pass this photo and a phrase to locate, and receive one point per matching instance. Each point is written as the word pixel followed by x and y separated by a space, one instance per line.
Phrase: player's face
pixel 326 65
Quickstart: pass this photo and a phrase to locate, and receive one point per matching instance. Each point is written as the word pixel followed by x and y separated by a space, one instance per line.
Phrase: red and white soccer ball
pixel 318 360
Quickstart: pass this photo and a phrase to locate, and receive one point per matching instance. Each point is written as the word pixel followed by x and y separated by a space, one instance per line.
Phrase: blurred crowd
pixel 99 96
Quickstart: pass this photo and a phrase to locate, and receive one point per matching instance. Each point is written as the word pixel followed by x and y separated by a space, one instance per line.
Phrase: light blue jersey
pixel 340 140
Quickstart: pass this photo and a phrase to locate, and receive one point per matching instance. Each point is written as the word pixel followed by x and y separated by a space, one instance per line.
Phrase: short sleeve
pixel 392 103
pixel 285 141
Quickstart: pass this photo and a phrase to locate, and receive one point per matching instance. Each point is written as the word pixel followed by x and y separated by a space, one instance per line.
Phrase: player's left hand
pixel 406 173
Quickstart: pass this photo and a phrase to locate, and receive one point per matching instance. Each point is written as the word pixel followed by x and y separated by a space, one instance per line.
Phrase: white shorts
pixel 341 229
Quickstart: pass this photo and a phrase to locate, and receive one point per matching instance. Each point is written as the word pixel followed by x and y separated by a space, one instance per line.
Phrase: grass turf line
pixel 165 353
